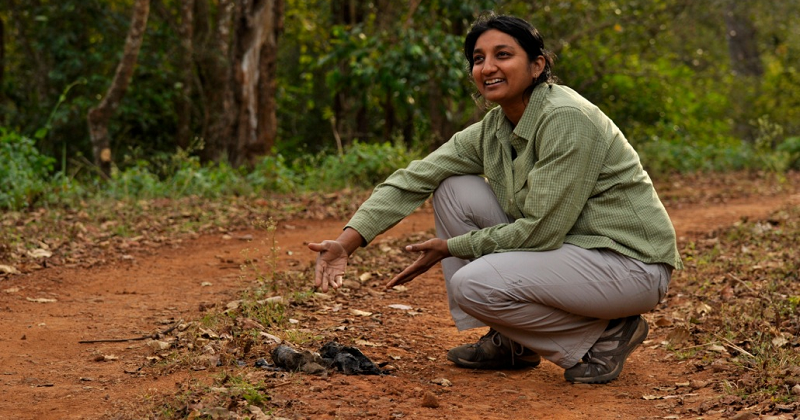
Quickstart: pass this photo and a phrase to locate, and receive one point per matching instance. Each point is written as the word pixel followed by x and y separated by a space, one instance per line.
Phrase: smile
pixel 492 82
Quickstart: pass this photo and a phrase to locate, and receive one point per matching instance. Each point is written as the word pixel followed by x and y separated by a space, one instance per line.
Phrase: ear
pixel 537 65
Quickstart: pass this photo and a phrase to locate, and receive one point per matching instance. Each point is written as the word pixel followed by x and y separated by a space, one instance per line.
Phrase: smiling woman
pixel 548 229
pixel 503 53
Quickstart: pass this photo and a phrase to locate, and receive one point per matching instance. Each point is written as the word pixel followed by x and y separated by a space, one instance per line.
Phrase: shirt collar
pixel 525 127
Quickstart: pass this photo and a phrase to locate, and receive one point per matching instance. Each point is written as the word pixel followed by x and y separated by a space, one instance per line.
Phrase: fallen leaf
pixel 357 312
pixel 367 343
pixel 442 381
pixel 400 307
pixel 158 345
pixel 717 348
pixel 663 322
pixel 41 300
pixel 7 269
pixel 678 335
pixel 779 341
pixel 651 397
pixel 365 277
pixel 40 253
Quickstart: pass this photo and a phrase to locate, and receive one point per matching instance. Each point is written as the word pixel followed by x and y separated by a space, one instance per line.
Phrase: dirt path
pixel 46 374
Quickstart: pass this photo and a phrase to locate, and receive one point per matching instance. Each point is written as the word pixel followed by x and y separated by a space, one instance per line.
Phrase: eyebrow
pixel 497 47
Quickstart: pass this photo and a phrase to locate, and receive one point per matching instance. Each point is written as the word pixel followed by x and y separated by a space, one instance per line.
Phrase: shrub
pixel 24 172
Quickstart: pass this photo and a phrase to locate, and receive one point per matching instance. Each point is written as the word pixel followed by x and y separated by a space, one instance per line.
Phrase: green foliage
pixel 660 69
pixel 24 172
pixel 361 166
pixel 790 148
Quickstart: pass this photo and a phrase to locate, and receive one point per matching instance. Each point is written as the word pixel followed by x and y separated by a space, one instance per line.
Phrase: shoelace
pixel 516 348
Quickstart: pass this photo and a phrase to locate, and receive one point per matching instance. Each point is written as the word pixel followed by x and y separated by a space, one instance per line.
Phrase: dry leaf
pixel 357 312
pixel 717 348
pixel 663 322
pixel 367 343
pixel 779 341
pixel 442 381
pixel 40 253
pixel 7 269
pixel 158 345
pixel 678 335
pixel 41 300
pixel 400 307
pixel 365 277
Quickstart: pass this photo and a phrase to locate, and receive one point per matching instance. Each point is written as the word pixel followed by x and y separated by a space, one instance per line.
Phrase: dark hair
pixel 526 35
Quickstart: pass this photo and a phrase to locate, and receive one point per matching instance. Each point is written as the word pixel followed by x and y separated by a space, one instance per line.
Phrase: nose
pixel 488 66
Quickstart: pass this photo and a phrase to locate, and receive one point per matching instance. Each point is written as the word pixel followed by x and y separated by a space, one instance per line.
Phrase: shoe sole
pixel 520 364
pixel 614 374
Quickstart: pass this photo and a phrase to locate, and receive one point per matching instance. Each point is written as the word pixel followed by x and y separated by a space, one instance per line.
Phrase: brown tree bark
pixel 742 45
pixel 217 84
pixel 100 115
pixel 2 67
pixel 258 26
pixel 184 106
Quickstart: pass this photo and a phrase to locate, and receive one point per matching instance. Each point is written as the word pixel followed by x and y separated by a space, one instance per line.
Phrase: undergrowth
pixel 743 317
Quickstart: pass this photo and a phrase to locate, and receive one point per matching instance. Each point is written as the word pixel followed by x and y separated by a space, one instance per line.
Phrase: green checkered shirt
pixel 575 180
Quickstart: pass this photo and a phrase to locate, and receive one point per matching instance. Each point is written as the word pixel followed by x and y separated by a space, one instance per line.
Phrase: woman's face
pixel 501 68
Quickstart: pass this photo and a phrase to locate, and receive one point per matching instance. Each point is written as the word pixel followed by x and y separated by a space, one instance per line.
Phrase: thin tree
pixel 100 115
pixel 257 28
pixel 184 106
pixel 2 67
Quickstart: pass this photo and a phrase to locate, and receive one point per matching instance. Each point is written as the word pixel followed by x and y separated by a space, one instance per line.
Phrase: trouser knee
pixel 467 294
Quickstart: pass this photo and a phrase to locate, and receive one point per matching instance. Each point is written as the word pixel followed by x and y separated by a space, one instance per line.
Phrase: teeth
pixel 492 81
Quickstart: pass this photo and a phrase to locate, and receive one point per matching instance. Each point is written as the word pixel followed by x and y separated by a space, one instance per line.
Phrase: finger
pixel 334 280
pixel 405 276
pixel 416 247
pixel 318 247
pixel 319 274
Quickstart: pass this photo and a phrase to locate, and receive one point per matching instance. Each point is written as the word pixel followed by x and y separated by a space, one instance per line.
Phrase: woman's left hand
pixel 432 251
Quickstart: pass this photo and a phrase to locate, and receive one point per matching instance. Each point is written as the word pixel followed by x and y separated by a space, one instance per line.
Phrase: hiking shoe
pixel 601 366
pixel 493 351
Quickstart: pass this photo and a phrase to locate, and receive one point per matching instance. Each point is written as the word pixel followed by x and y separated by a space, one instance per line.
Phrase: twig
pixel 753 291
pixel 735 347
pixel 144 337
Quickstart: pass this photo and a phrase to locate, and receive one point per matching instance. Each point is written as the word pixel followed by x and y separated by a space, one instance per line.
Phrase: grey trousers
pixel 556 303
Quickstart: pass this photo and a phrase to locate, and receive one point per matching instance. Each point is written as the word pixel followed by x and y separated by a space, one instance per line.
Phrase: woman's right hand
pixel 331 264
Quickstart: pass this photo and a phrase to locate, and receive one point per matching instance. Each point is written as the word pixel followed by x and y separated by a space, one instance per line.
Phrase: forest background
pixel 139 99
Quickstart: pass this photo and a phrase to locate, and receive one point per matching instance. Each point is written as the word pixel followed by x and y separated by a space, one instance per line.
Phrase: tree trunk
pixel 184 106
pixel 742 45
pixel 258 25
pixel 99 116
pixel 24 34
pixel 745 64
pixel 218 82
pixel 2 68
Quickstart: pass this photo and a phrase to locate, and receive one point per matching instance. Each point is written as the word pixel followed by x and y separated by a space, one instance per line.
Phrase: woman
pixel 559 249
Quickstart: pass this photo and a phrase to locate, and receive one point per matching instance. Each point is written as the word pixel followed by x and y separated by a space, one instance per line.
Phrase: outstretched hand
pixel 431 252
pixel 331 264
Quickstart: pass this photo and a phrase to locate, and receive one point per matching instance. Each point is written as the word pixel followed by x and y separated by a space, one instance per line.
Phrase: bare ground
pixel 45 373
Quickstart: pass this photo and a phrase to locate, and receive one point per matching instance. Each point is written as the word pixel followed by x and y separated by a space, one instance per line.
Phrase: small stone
pixel 796 390
pixel 429 400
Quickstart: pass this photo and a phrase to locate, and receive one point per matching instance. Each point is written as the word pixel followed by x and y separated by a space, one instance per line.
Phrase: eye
pixel 477 59
pixel 503 54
